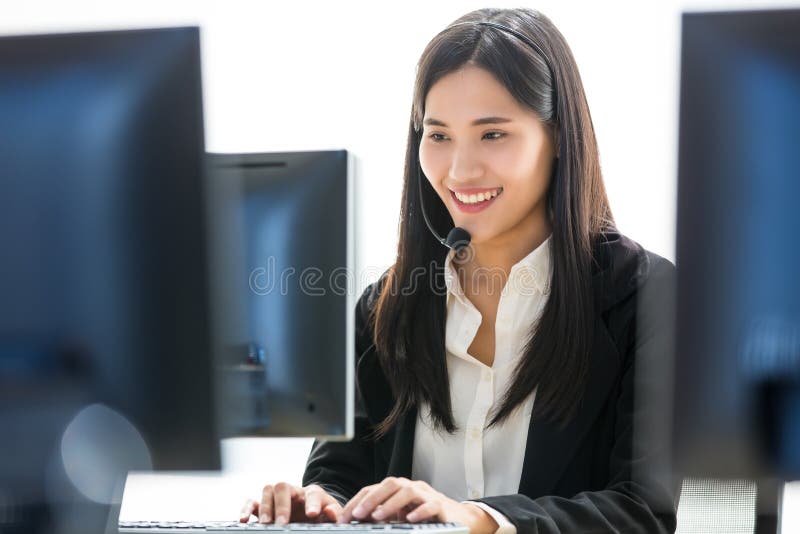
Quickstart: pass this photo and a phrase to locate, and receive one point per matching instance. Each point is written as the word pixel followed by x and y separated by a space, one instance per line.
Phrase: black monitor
pixel 105 331
pixel 737 369
pixel 284 254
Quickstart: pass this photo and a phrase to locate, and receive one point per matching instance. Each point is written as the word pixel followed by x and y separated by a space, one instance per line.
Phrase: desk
pixel 249 464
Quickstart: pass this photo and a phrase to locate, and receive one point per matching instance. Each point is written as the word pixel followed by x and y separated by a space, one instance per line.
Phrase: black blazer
pixel 579 479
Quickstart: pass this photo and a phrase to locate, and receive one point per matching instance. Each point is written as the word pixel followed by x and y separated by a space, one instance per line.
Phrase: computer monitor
pixel 285 258
pixel 105 332
pixel 736 410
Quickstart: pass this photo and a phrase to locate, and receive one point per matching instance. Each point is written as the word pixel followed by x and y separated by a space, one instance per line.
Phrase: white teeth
pixel 480 197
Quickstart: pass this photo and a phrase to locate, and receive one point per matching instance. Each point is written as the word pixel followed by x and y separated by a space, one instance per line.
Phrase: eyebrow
pixel 476 122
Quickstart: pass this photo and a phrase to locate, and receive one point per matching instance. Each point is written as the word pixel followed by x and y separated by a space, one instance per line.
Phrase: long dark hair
pixel 409 316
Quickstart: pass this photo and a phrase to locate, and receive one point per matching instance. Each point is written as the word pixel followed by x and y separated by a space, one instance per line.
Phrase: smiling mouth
pixel 473 198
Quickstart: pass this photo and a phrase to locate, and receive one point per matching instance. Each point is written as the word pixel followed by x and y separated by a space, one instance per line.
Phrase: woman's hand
pixel 291 504
pixel 400 499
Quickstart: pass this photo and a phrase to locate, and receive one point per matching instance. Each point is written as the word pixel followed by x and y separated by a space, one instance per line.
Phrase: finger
pixel 249 508
pixel 401 515
pixel 284 494
pixel 314 497
pixel 395 504
pixel 265 509
pixel 425 511
pixel 347 512
pixel 377 496
pixel 331 508
pixel 333 511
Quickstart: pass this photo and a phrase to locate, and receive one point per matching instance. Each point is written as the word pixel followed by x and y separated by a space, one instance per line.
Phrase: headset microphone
pixel 457 238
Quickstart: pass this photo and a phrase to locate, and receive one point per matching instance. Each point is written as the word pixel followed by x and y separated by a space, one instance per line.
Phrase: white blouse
pixel 475 462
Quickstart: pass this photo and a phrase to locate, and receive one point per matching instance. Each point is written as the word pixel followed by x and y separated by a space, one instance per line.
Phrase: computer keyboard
pixel 157 527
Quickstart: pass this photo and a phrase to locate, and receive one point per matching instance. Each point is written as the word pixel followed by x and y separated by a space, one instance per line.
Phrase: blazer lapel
pixel 549 449
pixel 403 448
pixel 398 445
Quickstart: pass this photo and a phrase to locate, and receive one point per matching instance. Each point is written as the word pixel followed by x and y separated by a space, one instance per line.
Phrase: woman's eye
pixel 492 136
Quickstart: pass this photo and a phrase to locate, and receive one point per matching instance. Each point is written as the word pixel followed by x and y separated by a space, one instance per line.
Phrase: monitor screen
pixel 737 374
pixel 105 333
pixel 285 258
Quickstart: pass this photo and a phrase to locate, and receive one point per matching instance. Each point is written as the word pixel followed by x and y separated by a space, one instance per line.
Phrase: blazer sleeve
pixel 343 468
pixel 645 503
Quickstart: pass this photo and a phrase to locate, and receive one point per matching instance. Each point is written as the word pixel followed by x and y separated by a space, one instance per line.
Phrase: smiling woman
pixel 495 383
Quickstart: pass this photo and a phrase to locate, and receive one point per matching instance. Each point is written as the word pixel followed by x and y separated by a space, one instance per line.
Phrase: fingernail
pixel 280 520
pixel 312 510
pixel 378 514
pixel 264 518
pixel 358 512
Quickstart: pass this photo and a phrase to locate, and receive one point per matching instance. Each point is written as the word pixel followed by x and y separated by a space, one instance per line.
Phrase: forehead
pixel 462 95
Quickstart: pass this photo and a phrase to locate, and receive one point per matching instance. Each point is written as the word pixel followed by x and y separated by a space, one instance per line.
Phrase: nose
pixel 464 167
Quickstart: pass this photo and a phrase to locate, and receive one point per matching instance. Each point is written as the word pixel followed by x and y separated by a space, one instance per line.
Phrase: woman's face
pixel 488 157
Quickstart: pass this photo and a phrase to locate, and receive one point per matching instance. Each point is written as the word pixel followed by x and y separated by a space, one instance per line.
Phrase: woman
pixel 496 383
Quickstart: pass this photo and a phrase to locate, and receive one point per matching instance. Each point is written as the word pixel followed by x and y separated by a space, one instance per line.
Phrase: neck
pixel 499 255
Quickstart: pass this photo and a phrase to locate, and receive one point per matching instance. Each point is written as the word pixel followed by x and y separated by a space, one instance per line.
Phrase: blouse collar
pixel 532 273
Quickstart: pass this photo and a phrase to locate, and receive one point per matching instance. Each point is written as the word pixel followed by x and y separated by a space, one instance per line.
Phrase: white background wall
pixel 316 75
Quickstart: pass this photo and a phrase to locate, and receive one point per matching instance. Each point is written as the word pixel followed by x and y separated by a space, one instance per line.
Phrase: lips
pixel 475 200
pixel 475 196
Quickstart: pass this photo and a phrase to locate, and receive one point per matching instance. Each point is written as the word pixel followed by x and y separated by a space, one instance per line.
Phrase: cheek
pixel 515 158
pixel 527 170
pixel 434 164
pixel 430 158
